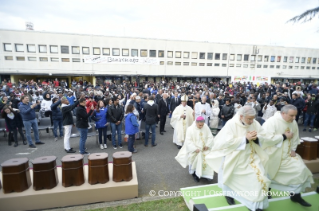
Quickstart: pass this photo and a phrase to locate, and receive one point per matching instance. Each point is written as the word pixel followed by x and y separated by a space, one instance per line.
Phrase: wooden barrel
pixel 301 148
pixel 44 173
pixel 98 168
pixel 311 147
pixel 72 170
pixel 122 166
pixel 317 137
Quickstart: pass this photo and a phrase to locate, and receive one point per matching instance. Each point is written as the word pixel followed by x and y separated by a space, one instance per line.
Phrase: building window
pixel 152 53
pixel 201 56
pixel 246 57
pixel 277 66
pixel 43 59
pixel 31 48
pixel 224 56
pixel 116 52
pixel 194 64
pixel 308 60
pixel 252 58
pixel 313 68
pixel 296 67
pixel 194 56
pixel 224 65
pixel 201 64
pixel 289 67
pixel 291 59
pixel 134 53
pixel 303 59
pixel 317 68
pixel 160 53
pixel 239 57
pixel 96 51
pixel 217 57
pixel 209 64
pixel 318 60
pixel 106 51
pixel 85 50
pixel 285 58
pixel 238 65
pixel 125 52
pixel 7 46
pixel 42 48
pixel 169 63
pixel 178 54
pixel 19 48
pixel 265 66
pixel 64 49
pixel 185 63
pixel 75 49
pixel 252 66
pixel 54 59
pixel 53 49
pixel 216 64
pixel 231 65
pixel 284 67
pixel 302 67
pixel 20 58
pixel 258 65
pixel 143 53
pixel 32 59
pixel 297 60
pixel 8 57
pixel 65 60
pixel 161 62
pixel 278 58
pixel 76 60
pixel 314 60
pixel 260 58
pixel 272 59
pixel 210 56
pixel 178 63
pixel 186 55
pixel 308 68
pixel 245 65
pixel 169 54
pixel 232 57
pixel 266 58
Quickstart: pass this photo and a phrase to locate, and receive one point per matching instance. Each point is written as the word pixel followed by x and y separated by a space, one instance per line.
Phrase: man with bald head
pixel 68 122
pixel 203 109
pixel 162 112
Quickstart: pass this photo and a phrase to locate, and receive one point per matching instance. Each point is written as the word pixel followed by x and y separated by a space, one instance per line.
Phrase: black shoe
pixel 32 146
pixel 24 142
pixel 70 151
pixel 39 142
pixel 154 145
pixel 114 147
pixel 317 190
pixel 195 177
pixel 85 153
pixel 297 198
pixel 179 147
pixel 121 146
pixel 145 145
pixel 15 144
pixel 230 200
pixel 164 131
pixel 259 210
pixel 161 133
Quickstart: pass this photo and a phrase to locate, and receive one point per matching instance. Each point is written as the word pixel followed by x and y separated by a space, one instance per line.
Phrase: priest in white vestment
pixel 214 120
pixel 182 118
pixel 203 109
pixel 198 143
pixel 288 171
pixel 240 162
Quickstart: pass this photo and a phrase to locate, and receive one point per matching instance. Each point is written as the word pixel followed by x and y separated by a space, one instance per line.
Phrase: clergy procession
pixel 245 156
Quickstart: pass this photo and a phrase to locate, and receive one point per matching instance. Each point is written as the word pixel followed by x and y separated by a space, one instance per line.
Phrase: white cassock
pixel 179 124
pixel 198 111
pixel 240 166
pixel 286 173
pixel 196 139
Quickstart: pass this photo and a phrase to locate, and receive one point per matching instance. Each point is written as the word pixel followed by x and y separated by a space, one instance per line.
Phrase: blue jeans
pixel 147 133
pixel 34 125
pixel 83 137
pixel 311 118
pixel 117 128
pixel 56 124
pixel 224 122
pixel 102 131
pixel 130 142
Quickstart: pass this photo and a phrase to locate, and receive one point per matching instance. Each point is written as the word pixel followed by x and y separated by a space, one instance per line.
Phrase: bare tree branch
pixel 307 16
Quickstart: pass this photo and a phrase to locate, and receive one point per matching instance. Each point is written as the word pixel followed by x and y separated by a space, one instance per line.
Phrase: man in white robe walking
pixel 203 109
pixel 288 171
pixel 198 142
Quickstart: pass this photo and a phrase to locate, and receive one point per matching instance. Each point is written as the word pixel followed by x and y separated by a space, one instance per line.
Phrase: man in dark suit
pixel 162 112
pixel 176 101
pixel 158 96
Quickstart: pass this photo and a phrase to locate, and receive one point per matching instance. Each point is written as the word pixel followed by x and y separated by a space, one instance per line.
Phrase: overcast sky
pixel 260 22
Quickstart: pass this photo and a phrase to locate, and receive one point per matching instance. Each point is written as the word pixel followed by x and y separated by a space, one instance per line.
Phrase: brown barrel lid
pixel 70 158
pixel 45 159
pixel 14 162
pixel 98 156
pixel 122 154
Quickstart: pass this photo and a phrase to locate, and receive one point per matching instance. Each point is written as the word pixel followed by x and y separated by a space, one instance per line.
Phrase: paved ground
pixel 156 166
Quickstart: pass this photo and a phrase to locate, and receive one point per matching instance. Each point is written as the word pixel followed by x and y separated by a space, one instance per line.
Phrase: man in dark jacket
pixel 227 111
pixel 67 122
pixel 299 103
pixel 57 117
pixel 150 110
pixel 175 101
pixel 115 115
pixel 310 113
pixel 162 112
pixel 82 124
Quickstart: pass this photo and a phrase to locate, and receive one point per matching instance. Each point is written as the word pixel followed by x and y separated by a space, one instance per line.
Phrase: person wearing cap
pixel 240 162
pixel 311 113
pixel 182 118
pixel 198 143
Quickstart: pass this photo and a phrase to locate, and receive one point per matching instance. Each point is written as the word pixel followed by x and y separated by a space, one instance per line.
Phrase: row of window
pixel 54 59
pixel 31 48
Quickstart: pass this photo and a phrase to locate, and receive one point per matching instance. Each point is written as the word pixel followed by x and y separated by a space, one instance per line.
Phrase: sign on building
pixel 29 25
pixel 256 79
pixel 95 59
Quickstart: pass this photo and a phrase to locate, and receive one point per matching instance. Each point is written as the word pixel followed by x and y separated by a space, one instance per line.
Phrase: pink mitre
pixel 200 119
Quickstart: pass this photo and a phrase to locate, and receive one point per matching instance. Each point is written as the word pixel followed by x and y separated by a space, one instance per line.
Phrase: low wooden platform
pixel 313 165
pixel 70 196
